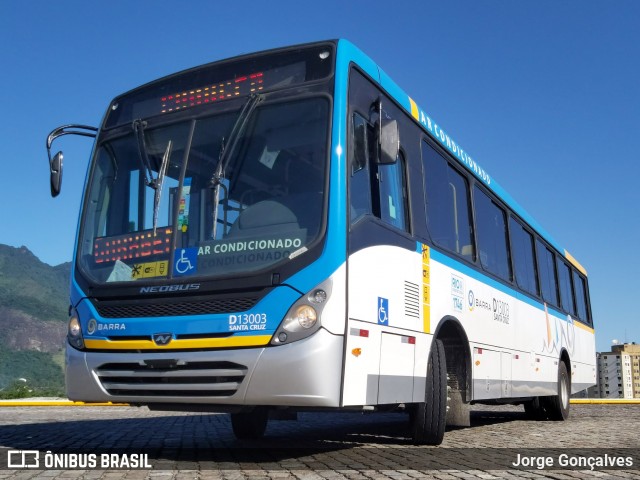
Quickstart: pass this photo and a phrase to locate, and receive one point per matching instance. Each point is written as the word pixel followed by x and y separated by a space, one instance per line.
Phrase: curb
pixel 605 401
pixel 57 403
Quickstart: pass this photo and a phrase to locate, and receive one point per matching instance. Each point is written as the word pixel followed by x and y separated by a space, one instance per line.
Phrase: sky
pixel 545 95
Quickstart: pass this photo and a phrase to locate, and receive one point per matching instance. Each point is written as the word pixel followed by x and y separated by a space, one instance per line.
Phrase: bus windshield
pixel 189 199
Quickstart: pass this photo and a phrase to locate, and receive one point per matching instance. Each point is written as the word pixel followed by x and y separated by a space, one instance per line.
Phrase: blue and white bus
pixel 289 230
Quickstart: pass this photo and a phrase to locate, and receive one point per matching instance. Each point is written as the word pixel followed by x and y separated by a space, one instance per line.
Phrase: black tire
pixel 557 406
pixel 250 425
pixel 429 417
pixel 535 410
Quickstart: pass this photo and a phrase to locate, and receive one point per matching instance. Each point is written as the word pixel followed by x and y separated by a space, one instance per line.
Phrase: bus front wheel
pixel 557 406
pixel 250 425
pixel 429 417
pixel 534 409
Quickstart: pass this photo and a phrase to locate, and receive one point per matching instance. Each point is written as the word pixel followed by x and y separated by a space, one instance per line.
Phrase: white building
pixel 619 372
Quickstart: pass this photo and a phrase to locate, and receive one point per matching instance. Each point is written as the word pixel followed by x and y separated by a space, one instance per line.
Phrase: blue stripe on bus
pixel 485 279
pixel 334 253
pixel 335 247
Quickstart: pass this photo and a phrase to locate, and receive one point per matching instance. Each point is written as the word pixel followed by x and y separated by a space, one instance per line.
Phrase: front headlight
pixel 306 316
pixel 74 332
pixel 303 318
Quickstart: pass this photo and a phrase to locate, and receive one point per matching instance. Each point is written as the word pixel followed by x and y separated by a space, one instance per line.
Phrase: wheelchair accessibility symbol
pixel 383 311
pixel 185 261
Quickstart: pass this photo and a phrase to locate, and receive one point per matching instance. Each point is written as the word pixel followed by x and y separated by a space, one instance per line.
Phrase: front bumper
pixel 306 373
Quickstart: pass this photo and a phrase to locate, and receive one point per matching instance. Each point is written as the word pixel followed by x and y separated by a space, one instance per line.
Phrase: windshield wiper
pixel 145 163
pixel 226 149
pixel 238 127
pixel 155 183
pixel 158 184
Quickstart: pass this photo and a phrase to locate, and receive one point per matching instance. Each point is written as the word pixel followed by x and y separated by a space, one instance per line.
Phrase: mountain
pixel 33 287
pixel 33 322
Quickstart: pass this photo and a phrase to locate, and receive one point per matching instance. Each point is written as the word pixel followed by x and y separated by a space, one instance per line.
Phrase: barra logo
pixel 162 339
pixel 474 302
pixel 92 326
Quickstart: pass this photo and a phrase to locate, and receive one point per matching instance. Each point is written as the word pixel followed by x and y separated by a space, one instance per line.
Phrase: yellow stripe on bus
pixel 584 327
pixel 414 109
pixel 239 341
pixel 575 263
pixel 605 401
pixel 426 289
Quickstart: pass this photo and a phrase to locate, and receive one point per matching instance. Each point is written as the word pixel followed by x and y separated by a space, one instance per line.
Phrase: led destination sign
pixel 243 85
pixel 222 81
pixel 132 246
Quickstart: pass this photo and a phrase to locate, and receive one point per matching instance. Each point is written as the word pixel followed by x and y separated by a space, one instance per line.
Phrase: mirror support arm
pixel 72 129
pixel 55 163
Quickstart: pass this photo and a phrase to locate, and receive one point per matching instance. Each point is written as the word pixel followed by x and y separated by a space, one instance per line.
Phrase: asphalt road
pixel 317 446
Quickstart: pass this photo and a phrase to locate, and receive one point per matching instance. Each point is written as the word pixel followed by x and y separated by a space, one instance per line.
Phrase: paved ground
pixel 320 445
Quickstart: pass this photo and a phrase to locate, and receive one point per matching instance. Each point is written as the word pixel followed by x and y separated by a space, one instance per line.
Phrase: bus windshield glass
pixel 233 192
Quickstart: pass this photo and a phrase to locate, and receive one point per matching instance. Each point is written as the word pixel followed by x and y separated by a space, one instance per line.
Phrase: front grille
pixel 158 308
pixel 162 378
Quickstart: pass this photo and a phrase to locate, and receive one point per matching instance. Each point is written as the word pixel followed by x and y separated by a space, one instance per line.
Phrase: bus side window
pixel 386 184
pixel 566 292
pixel 491 227
pixel 579 286
pixel 360 193
pixel 523 258
pixel 547 271
pixel 448 212
pixel 392 187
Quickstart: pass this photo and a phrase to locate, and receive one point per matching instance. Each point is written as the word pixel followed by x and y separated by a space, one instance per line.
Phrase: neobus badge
pixel 162 338
pixel 170 288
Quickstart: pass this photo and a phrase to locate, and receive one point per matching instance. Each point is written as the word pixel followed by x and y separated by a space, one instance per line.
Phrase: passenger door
pixel 384 266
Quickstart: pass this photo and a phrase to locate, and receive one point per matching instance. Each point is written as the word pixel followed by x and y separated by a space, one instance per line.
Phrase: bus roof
pixel 348 52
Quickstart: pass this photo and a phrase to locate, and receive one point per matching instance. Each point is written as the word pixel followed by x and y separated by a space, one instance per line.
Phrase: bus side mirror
pixel 388 134
pixel 55 173
pixel 389 141
pixel 55 163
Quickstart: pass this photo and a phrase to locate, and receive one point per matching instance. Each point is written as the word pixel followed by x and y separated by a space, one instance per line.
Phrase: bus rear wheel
pixel 534 409
pixel 428 418
pixel 250 425
pixel 557 406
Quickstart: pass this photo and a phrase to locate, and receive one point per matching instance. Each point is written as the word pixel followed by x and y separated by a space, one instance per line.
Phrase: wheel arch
pixel 457 353
pixel 564 357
